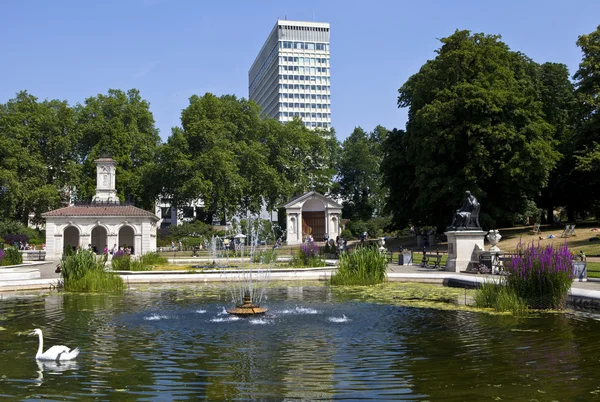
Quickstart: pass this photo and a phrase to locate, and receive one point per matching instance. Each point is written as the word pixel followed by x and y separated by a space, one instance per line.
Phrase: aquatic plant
pixel 501 298
pixel 83 272
pixel 364 266
pixel 542 276
pixel 537 277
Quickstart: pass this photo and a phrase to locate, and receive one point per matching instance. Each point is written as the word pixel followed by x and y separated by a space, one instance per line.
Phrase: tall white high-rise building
pixel 290 76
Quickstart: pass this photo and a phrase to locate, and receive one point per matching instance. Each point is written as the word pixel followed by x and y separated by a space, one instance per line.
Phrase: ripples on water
pixel 178 343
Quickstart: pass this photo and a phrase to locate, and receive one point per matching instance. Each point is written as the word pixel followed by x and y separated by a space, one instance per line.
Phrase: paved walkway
pixel 585 293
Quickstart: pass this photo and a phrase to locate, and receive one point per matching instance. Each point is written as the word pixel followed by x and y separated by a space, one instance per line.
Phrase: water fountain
pixel 247 287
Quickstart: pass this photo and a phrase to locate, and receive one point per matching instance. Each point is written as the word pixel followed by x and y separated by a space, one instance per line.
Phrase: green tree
pixel 234 160
pixel 476 122
pixel 398 176
pixel 359 173
pixel 37 149
pixel 587 136
pixel 558 103
pixel 121 126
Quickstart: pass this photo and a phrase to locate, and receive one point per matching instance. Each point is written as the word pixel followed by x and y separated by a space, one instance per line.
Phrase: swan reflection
pixel 53 368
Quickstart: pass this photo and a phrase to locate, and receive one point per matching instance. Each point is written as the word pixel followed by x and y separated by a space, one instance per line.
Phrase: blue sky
pixel 172 49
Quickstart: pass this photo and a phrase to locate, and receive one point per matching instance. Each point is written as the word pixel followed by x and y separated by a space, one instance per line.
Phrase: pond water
pixel 173 343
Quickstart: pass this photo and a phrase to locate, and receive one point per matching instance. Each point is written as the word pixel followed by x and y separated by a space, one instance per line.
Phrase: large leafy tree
pixel 359 176
pixel 235 161
pixel 587 136
pixel 476 122
pixel 558 103
pixel 398 177
pixel 119 125
pixel 37 148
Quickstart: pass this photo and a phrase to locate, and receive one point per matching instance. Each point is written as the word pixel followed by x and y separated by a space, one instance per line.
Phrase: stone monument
pixel 465 236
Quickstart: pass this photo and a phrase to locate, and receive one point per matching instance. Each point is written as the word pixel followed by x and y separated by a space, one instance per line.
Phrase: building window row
pixel 298 28
pixel 305 105
pixel 301 69
pixel 303 45
pixel 303 87
pixel 304 96
pixel 312 78
pixel 304 60
pixel 307 115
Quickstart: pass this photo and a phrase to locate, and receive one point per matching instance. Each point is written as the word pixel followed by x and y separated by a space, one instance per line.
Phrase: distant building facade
pixel 290 77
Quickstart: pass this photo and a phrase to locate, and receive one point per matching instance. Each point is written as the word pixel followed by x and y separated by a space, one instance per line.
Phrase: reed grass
pixel 363 266
pixel 501 298
pixel 83 272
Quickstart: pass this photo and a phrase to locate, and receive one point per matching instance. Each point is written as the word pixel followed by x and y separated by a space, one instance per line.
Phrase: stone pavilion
pixel 102 222
pixel 312 214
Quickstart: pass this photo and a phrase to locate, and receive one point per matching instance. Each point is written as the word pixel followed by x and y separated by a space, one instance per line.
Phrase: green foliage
pixel 192 229
pixel 586 139
pixel 501 298
pixel 230 157
pixel 12 227
pixel 264 256
pixel 363 266
pixel 83 272
pixel 346 234
pixel 125 262
pixel 475 122
pixel 150 259
pixel 375 227
pixel 359 177
pixel 96 281
pixel 48 148
pixel 121 125
pixel 37 155
pixel 308 256
pixel 11 256
pixel 121 262
pixel 541 276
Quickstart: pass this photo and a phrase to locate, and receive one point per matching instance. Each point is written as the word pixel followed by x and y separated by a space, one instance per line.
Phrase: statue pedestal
pixel 462 245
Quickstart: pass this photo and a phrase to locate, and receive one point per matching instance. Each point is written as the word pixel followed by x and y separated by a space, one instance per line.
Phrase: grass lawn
pixel 593 269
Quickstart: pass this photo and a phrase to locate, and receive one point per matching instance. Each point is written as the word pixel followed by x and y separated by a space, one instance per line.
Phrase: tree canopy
pixel 475 122
pixel 359 175
pixel 226 154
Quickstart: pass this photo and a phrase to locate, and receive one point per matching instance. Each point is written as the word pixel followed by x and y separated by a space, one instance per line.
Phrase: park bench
pixel 431 260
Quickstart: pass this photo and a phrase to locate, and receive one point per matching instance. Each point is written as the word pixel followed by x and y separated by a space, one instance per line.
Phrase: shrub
pixel 124 262
pixel 151 259
pixel 364 266
pixel 357 228
pixel 264 257
pixel 83 272
pixel 542 276
pixel 10 256
pixel 346 234
pixel 121 261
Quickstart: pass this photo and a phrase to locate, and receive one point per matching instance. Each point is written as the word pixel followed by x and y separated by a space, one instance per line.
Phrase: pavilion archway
pixel 71 238
pixel 99 239
pixel 127 238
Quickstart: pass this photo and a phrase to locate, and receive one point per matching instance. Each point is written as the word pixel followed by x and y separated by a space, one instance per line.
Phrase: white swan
pixel 55 353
